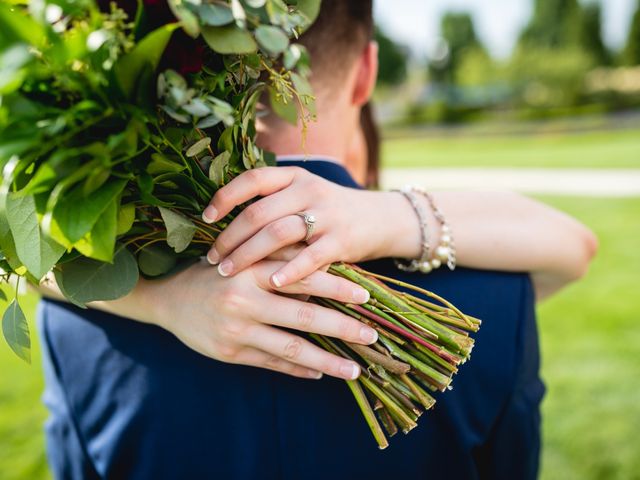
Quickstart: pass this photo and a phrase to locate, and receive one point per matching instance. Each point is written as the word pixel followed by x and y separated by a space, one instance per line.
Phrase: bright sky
pixel 498 22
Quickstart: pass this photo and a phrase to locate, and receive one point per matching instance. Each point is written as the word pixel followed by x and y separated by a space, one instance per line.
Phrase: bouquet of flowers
pixel 112 142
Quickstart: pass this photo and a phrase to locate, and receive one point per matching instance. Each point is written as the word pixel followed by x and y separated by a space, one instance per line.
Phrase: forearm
pixel 139 305
pixel 498 231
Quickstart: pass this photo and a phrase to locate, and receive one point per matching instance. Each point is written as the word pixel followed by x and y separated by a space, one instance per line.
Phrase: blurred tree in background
pixel 560 66
pixel 393 60
pixel 459 40
pixel 631 53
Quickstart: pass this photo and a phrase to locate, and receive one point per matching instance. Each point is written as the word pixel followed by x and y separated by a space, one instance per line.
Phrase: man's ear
pixel 367 75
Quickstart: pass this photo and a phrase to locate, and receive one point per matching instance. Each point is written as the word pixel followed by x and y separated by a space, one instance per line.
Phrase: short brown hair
pixel 339 34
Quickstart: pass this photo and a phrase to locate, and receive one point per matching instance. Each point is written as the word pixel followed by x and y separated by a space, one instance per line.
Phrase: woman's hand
pixel 347 223
pixel 233 319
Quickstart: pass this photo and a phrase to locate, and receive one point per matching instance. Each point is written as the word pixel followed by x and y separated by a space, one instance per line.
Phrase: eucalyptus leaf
pixel 229 40
pixel 3 296
pixel 155 261
pixel 37 251
pixel 84 280
pixel 272 39
pixel 208 122
pixel 15 330
pixel 180 230
pixel 215 15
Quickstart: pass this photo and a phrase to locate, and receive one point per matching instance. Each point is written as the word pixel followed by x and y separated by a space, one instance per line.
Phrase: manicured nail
pixel 368 335
pixel 213 257
pixel 360 295
pixel 314 374
pixel 350 371
pixel 210 214
pixel 225 268
pixel 278 279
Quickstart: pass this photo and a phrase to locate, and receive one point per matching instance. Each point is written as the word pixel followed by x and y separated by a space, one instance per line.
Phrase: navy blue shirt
pixel 129 401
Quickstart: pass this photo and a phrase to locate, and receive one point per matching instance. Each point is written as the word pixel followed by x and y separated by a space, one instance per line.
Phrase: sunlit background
pixel 541 96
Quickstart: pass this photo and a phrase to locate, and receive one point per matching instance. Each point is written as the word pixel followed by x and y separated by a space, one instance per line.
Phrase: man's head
pixel 344 68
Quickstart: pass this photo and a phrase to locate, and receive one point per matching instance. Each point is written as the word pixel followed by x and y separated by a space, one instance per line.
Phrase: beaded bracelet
pixel 421 263
pixel 446 250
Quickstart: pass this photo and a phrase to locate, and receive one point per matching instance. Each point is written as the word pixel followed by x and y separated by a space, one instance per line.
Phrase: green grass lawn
pixel 591 351
pixel 609 149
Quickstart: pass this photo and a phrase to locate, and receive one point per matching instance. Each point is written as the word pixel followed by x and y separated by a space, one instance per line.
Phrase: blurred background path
pixel 565 182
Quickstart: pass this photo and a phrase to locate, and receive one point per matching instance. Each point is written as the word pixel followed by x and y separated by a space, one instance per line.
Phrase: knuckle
pixel 273 362
pixel 346 329
pixel 316 255
pixel 306 316
pixel 255 213
pixel 254 175
pixel 224 352
pixel 280 231
pixel 223 196
pixel 231 328
pixel 292 349
pixel 230 300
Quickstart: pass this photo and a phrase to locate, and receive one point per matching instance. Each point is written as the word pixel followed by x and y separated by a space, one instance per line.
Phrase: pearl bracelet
pixel 445 252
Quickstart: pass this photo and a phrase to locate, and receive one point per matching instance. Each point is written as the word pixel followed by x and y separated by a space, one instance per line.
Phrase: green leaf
pixel 75 215
pixel 161 164
pixel 198 147
pixel 272 39
pixel 154 261
pixel 146 53
pixel 126 217
pixel 84 280
pixel 15 330
pixel 180 229
pixel 17 26
pixel 287 111
pixel 310 9
pixel 218 167
pixel 3 296
pixel 215 15
pixel 100 242
pixel 37 251
pixel 229 40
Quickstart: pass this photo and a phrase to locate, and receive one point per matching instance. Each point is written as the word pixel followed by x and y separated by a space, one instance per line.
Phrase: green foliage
pixel 103 155
pixel 631 53
pixel 393 60
pixel 459 33
pixel 555 23
pixel 16 331
pixel 85 280
pixel 545 78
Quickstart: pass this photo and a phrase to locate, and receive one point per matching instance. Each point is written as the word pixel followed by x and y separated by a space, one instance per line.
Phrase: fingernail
pixel 360 295
pixel 278 279
pixel 210 214
pixel 315 375
pixel 213 257
pixel 225 268
pixel 368 335
pixel 350 371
